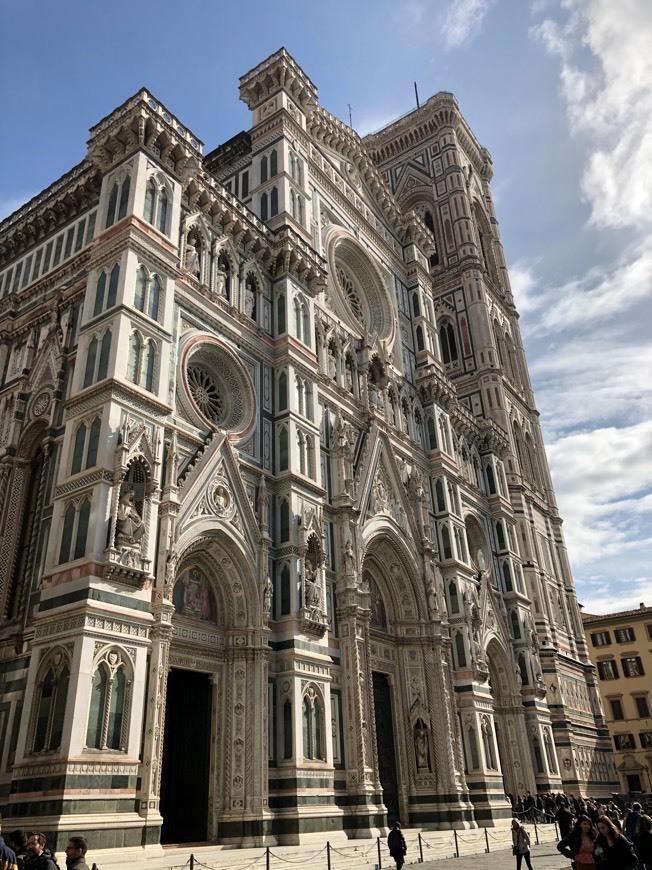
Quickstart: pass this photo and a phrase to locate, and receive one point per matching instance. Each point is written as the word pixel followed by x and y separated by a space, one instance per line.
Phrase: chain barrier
pixel 355 851
pixel 243 867
pixel 302 861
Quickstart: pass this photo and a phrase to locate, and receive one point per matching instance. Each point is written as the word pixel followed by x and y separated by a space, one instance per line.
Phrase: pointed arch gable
pixel 390 560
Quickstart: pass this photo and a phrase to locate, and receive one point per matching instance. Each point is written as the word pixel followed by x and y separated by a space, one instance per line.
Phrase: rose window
pixel 215 388
pixel 205 393
pixel 348 287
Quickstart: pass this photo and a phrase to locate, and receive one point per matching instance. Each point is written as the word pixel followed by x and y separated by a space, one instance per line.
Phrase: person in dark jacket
pixel 564 819
pixel 38 857
pixel 76 854
pixel 18 842
pixel 579 844
pixel 613 850
pixel 397 845
pixel 631 822
pixel 644 842
pixel 7 855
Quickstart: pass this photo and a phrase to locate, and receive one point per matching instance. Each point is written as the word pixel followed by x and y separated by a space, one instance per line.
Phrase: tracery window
pixel 313 725
pixel 49 704
pixel 110 702
pixel 97 364
pixel 448 342
pixel 156 205
pixel 141 361
pixel 348 287
pixel 75 530
pixel 106 291
pixel 118 202
pixel 87 443
pixel 147 295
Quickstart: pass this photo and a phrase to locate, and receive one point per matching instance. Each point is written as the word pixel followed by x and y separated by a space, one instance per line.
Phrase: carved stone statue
pixel 220 280
pixel 421 748
pixel 332 364
pixel 250 302
pixel 312 590
pixel 129 524
pixel 267 597
pixel 349 557
pixel 192 259
pixel 433 604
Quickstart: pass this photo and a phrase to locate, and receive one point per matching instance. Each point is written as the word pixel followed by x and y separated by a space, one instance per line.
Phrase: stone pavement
pixel 437 847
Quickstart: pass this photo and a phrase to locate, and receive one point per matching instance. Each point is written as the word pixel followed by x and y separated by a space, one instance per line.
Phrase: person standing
pixel 631 822
pixel 18 842
pixel 644 842
pixel 38 856
pixel 520 844
pixel 579 844
pixel 397 845
pixel 613 850
pixel 76 853
pixel 7 855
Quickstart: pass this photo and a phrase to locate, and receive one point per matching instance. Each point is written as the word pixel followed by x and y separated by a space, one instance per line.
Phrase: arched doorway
pixel 505 698
pixel 213 658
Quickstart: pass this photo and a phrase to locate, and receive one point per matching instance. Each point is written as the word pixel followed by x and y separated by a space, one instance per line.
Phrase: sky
pixel 559 91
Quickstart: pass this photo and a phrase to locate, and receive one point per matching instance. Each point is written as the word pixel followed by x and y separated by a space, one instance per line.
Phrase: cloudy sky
pixel 560 91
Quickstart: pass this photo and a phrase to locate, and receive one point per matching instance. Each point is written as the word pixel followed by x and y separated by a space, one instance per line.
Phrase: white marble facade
pixel 269 456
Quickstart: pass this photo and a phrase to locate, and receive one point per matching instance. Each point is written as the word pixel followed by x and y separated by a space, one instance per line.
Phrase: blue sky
pixel 559 91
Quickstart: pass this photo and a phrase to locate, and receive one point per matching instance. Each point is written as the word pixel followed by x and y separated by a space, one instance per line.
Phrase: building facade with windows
pixel 620 646
pixel 279 549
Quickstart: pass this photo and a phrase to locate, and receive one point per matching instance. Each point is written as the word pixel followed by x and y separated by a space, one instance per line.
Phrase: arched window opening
pixel 82 529
pixel 448 343
pixel 416 308
pixel 507 577
pixel 312 726
pixel 516 627
pixel 133 362
pixel 110 700
pixel 149 362
pixel 453 597
pixel 300 210
pixel 273 163
pixel 446 543
pixel 280 314
pixel 93 443
pixel 538 758
pixel 99 294
pixel 550 752
pixel 51 696
pixel 141 285
pixel 105 352
pixel 460 651
pixel 297 319
pixel 522 669
pixel 154 297
pixel 282 391
pixel 150 198
pixel 429 222
pixel 264 207
pixel 285 597
pixel 432 434
pixel 263 169
pixel 491 480
pixel 420 341
pixel 111 208
pixel 124 198
pixel 500 536
pixel 273 202
pixel 162 216
pixel 287 729
pixel 284 521
pixel 66 537
pixel 78 451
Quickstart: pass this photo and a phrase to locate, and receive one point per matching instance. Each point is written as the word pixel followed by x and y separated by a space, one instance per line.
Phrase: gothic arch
pixel 388 559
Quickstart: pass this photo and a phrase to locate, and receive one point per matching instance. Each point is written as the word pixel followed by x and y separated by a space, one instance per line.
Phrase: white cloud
pixel 463 20
pixel 606 79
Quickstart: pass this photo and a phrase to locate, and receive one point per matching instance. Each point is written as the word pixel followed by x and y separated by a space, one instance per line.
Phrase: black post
pixel 536 833
pixel 457 845
pixel 267 858
pixel 192 861
pixel 328 854
pixel 420 850
pixel 380 857
pixel 486 839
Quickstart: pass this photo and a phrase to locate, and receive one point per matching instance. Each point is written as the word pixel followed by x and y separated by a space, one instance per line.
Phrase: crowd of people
pixel 595 835
pixel 23 851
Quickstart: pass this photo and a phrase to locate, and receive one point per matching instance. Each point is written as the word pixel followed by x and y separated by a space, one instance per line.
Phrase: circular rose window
pixel 215 390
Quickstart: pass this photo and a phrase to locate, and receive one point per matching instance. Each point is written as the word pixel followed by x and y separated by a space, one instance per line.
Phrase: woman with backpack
pixel 520 844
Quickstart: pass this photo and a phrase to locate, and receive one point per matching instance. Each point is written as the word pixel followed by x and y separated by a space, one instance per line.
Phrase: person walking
pixel 38 856
pixel 564 819
pixel 579 844
pixel 613 850
pixel 7 855
pixel 520 844
pixel 644 842
pixel 397 845
pixel 76 854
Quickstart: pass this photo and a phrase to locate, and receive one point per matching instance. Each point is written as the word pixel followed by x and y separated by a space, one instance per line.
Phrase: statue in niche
pixel 349 557
pixel 421 748
pixel 250 302
pixel 193 596
pixel 433 604
pixel 191 263
pixel 222 499
pixel 348 376
pixel 332 364
pixel 220 280
pixel 129 527
pixel 312 590
pixel 267 597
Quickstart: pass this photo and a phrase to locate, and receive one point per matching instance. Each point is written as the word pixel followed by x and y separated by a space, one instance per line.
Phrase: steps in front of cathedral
pixel 344 855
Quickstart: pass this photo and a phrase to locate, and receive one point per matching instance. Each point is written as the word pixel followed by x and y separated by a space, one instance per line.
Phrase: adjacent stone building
pixel 279 549
pixel 619 646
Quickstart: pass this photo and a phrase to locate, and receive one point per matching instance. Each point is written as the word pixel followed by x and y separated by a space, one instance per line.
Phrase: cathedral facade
pixel 279 549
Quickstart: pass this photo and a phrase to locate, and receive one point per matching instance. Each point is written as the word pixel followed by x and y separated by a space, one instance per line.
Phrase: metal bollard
pixel 536 833
pixel 268 858
pixel 328 854
pixel 380 859
pixel 192 861
pixel 420 850
pixel 457 845
pixel 486 839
